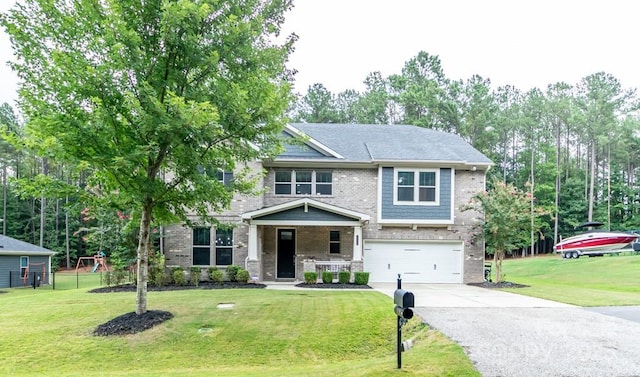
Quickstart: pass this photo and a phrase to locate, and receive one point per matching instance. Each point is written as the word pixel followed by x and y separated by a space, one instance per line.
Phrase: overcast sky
pixel 518 42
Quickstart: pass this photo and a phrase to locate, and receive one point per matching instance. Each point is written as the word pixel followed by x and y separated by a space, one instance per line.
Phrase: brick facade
pixel 354 190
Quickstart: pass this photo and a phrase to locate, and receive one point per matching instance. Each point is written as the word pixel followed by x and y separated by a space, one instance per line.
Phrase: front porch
pixel 305 235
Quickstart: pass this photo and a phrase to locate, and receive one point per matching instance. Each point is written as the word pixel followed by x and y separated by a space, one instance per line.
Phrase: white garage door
pixel 417 262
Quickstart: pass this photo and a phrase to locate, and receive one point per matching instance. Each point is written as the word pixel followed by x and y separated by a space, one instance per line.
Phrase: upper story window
pixel 303 182
pixel 416 186
pixel 220 175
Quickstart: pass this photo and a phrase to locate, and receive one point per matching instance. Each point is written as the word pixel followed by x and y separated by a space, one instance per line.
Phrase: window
pixel 303 182
pixel 24 266
pixel 334 242
pixel 416 187
pixel 224 247
pixel 201 246
pixel 220 175
pixel 283 182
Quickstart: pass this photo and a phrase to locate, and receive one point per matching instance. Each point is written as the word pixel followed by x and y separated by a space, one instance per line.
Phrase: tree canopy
pixel 141 95
pixel 570 145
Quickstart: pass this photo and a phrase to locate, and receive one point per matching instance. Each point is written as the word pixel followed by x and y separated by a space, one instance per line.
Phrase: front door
pixel 286 266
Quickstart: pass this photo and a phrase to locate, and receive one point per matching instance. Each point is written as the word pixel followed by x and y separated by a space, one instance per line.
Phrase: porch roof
pixel 305 211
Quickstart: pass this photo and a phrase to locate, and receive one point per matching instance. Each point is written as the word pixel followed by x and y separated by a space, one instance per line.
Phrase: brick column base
pixel 253 266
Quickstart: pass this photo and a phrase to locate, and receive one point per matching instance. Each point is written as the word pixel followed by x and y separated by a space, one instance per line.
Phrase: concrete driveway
pixel 510 335
pixel 465 296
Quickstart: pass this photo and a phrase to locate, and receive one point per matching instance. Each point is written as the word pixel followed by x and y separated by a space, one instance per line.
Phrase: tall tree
pixel 318 105
pixel 375 102
pixel 8 155
pixel 601 102
pixel 421 91
pixel 136 88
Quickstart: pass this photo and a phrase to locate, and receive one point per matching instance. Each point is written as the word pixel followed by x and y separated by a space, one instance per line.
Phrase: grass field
pixel 266 333
pixel 596 281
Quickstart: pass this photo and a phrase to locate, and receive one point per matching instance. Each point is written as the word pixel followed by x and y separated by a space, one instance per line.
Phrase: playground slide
pixel 95 267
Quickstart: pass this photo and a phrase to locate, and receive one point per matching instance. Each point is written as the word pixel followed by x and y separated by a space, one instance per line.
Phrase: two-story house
pixel 378 198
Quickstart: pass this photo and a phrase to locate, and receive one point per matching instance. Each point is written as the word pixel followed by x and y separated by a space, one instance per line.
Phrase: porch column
pixel 357 243
pixel 253 242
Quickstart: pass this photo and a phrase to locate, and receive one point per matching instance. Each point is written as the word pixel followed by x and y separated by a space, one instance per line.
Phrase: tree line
pixel 571 146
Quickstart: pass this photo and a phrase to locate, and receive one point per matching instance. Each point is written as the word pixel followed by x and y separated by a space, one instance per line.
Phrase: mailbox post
pixel 404 302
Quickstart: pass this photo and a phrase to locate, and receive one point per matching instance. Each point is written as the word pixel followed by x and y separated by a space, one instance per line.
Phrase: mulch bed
pixel 504 284
pixel 172 287
pixel 333 286
pixel 131 323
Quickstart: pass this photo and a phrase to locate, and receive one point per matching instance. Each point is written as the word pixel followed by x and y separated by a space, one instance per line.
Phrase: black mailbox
pixel 403 299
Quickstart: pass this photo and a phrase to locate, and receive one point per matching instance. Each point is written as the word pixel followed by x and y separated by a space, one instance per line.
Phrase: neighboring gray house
pixel 378 198
pixel 21 261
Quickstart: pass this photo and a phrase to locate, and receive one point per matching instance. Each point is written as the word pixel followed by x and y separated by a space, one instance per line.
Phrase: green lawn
pixel 596 281
pixel 267 333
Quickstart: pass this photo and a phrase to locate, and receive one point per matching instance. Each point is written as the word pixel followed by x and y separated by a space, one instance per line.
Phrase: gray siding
pixel 12 263
pixel 390 211
pixel 298 214
pixel 292 150
pixel 8 263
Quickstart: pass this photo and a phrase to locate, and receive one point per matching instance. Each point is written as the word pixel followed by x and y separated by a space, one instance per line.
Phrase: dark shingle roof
pixel 374 142
pixel 13 246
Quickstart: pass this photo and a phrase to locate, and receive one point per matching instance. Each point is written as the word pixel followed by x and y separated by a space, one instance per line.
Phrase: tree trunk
pixel 497 261
pixel 143 260
pixel 4 200
pixel 66 232
pixel 592 181
pixel 43 205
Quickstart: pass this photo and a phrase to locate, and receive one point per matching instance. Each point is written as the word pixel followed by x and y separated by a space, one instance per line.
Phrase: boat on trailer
pixel 593 242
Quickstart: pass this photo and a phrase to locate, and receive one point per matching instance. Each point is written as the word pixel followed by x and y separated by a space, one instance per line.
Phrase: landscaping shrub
pixel 310 277
pixel 116 277
pixel 327 277
pixel 217 276
pixel 158 276
pixel 194 275
pixel 232 271
pixel 344 277
pixel 242 276
pixel 177 275
pixel 157 273
pixel 361 278
pixel 210 272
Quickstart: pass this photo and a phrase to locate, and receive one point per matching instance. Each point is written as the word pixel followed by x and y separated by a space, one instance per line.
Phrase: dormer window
pixel 303 182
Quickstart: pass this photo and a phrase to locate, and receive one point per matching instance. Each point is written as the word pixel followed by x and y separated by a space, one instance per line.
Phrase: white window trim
pixel 313 182
pixel 26 268
pixel 416 188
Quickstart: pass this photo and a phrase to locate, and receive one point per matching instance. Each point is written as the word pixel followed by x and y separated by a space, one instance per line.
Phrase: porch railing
pixel 332 266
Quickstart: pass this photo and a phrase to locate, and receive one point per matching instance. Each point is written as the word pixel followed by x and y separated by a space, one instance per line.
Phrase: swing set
pixel 99 261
